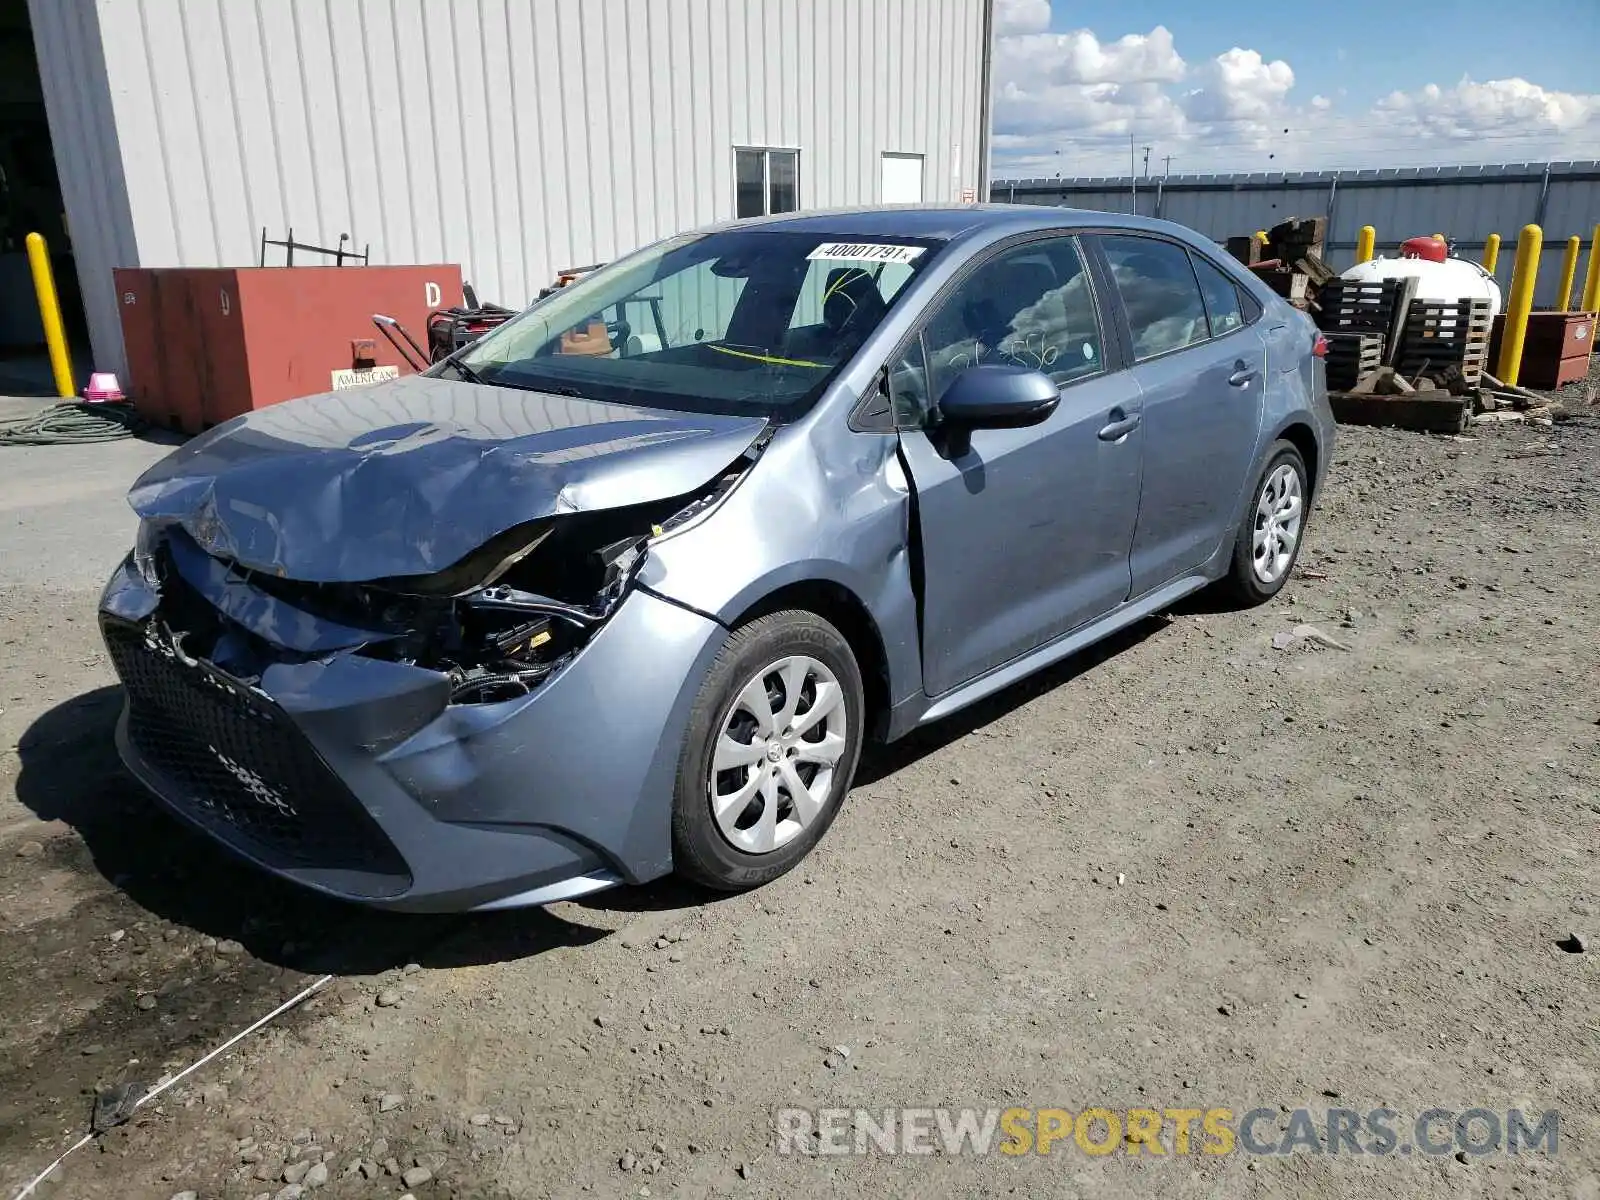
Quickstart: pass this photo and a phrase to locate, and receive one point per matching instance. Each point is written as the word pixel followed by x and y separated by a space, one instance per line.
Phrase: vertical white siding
pixel 515 137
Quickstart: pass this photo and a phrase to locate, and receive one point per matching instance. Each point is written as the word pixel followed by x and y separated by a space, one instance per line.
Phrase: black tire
pixel 1242 583
pixel 700 850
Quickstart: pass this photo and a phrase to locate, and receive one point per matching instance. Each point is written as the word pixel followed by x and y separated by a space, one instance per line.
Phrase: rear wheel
pixel 772 746
pixel 1268 542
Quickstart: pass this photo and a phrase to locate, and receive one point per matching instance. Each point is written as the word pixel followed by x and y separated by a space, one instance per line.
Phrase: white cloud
pixel 1021 16
pixel 1070 102
pixel 1470 109
pixel 1081 58
pixel 1239 84
pixel 1062 89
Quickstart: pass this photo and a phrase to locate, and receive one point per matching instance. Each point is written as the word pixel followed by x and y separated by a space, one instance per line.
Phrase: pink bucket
pixel 103 386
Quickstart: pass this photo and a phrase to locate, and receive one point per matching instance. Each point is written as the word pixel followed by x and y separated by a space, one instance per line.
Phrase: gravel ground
pixel 1211 864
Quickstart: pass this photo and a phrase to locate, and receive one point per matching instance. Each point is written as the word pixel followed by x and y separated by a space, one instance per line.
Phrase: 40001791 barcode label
pixel 875 252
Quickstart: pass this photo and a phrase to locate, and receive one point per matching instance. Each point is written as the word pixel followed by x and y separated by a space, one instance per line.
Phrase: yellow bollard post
pixel 1491 252
pixel 1523 276
pixel 1569 272
pixel 1366 242
pixel 55 338
pixel 1591 281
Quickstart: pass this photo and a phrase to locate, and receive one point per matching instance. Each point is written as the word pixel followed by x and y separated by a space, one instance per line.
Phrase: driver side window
pixel 1030 305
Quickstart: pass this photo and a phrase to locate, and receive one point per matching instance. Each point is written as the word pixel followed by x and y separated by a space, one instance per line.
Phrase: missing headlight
pixel 146 541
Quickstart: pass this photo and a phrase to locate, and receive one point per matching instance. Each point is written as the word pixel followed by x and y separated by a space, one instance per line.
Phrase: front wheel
pixel 770 752
pixel 1269 538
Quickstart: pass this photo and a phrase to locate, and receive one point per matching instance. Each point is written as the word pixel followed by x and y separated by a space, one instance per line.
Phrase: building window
pixel 765 182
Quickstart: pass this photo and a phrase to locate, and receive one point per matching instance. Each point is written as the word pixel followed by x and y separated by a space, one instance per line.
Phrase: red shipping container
pixel 206 344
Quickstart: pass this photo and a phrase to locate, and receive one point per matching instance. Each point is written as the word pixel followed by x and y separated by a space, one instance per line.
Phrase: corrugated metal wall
pixel 1465 203
pixel 514 137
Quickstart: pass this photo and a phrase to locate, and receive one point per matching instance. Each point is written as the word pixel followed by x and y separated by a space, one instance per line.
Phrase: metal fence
pixel 1466 204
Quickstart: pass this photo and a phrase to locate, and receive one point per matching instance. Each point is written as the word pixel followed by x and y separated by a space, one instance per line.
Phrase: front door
pixel 1025 533
pixel 1201 369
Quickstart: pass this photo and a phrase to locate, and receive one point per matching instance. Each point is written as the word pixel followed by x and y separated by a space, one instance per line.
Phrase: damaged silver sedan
pixel 623 588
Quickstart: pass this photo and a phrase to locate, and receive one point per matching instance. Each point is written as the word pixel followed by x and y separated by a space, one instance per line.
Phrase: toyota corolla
pixel 623 588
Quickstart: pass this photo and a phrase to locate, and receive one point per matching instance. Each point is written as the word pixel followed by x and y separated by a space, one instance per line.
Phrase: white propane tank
pixel 1452 279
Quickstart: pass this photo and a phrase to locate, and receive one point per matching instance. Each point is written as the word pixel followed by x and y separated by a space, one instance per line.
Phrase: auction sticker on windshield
pixel 867 252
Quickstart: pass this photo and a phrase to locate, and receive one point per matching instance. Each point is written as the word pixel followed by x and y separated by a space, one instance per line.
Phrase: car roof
pixel 949 221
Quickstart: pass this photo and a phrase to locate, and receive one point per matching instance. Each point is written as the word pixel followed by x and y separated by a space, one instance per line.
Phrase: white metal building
pixel 515 137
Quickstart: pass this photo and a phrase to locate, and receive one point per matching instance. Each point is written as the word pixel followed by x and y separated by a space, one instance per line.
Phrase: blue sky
pixel 1372 47
pixel 1358 83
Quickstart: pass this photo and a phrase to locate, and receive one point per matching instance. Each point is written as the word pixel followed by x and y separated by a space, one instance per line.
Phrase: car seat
pixel 851 302
pixel 1001 293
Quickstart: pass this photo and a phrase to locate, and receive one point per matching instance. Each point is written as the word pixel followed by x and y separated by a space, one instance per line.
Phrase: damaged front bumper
pixel 359 775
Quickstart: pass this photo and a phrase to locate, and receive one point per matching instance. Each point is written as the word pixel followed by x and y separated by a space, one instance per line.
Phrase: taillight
pixel 1320 347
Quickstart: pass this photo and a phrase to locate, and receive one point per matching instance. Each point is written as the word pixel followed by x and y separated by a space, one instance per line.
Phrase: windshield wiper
pixel 453 359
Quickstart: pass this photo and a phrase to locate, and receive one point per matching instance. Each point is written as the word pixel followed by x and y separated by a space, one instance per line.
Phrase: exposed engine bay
pixel 497 623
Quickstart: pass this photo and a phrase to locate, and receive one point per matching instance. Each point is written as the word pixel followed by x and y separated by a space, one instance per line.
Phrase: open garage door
pixel 30 202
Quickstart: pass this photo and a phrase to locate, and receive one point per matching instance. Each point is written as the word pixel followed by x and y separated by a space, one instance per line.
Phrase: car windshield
pixel 735 321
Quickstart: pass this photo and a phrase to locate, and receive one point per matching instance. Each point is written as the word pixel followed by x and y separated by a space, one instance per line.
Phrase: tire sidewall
pixel 1245 579
pixel 699 848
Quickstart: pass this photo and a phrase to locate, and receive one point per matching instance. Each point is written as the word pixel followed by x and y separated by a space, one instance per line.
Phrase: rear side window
pixel 1159 292
pixel 1221 297
pixel 1250 306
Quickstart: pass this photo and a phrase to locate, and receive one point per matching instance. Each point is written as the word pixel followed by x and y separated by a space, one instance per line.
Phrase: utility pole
pixel 1133 177
pixel 1166 167
pixel 1147 162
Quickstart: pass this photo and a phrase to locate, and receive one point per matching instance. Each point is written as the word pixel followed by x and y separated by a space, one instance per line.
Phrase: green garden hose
pixel 73 423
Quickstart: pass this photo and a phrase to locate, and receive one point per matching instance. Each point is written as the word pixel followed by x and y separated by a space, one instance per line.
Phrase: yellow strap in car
pixel 767 358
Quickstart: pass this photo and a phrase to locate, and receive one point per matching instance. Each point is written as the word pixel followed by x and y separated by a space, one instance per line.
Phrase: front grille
pixel 238 766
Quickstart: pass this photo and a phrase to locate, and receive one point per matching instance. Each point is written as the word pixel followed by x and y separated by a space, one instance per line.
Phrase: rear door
pixel 1024 533
pixel 1201 368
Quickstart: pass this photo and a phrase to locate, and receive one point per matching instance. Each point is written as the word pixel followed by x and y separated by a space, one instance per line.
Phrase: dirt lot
pixel 1193 869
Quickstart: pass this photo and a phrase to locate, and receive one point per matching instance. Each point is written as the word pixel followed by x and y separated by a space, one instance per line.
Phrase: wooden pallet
pixel 1472 360
pixel 1377 307
pixel 1352 355
pixel 1444 333
pixel 1348 306
pixel 1448 320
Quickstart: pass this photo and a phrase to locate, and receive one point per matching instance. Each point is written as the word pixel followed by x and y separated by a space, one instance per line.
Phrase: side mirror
pixel 998 396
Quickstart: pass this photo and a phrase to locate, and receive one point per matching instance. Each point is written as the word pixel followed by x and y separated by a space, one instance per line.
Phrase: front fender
pixel 820 505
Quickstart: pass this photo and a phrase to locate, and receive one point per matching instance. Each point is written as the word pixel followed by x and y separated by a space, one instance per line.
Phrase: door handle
pixel 1242 374
pixel 1119 427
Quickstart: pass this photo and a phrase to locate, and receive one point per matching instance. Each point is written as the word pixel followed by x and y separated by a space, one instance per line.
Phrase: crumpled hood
pixel 409 477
